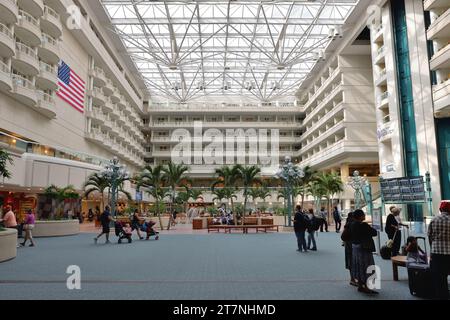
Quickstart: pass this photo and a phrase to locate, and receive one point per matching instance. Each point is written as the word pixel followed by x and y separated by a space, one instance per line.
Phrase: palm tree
pixel 219 195
pixel 175 176
pixel 248 177
pixel 230 194
pixel 96 182
pixel 283 194
pixel 304 183
pixel 195 194
pixel 152 179
pixel 331 184
pixel 254 193
pixel 226 177
pixel 5 158
pixel 318 191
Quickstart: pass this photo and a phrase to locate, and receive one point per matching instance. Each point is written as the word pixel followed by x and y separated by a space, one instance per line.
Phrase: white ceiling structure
pixel 256 50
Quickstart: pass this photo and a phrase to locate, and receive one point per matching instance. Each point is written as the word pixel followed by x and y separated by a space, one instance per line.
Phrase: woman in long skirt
pixel 362 250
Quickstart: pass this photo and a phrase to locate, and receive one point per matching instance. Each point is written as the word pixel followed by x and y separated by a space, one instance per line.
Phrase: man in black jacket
pixel 300 226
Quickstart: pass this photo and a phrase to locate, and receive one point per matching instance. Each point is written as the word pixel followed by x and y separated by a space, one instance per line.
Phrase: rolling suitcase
pixel 419 277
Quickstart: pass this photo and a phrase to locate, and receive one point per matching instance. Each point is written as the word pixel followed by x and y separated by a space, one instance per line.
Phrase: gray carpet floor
pixel 193 267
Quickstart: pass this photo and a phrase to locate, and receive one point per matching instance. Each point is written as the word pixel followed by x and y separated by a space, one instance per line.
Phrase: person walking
pixel 105 219
pixel 363 246
pixel 323 214
pixel 30 220
pixel 392 229
pixel 136 224
pixel 439 238
pixel 347 243
pixel 337 219
pixel 311 230
pixel 300 226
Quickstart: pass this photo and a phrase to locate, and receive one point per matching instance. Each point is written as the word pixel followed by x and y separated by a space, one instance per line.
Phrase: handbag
pixel 346 236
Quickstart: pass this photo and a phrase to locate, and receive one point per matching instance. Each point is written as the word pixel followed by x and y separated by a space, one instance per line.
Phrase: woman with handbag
pixel 28 227
pixel 363 246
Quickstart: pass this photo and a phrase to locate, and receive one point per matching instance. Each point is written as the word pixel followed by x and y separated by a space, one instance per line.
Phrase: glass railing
pixel 384 95
pixel 29 18
pixel 6 31
pixel 23 48
pixel 51 12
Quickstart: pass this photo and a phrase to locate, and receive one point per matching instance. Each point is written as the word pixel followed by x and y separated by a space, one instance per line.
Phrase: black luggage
pixel 419 277
pixel 386 253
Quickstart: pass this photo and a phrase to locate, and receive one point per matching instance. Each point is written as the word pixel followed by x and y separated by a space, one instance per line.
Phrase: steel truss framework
pixel 261 50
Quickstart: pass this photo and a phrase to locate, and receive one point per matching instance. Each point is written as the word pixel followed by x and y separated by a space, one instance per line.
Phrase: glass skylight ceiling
pixel 258 50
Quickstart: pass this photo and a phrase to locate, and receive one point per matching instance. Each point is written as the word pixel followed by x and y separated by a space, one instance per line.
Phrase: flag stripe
pixel 76 103
pixel 71 87
pixel 73 93
pixel 59 94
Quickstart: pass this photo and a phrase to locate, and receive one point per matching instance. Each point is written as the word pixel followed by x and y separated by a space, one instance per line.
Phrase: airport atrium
pixel 195 119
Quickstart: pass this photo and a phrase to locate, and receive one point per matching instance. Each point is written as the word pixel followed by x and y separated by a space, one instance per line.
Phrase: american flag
pixel 71 87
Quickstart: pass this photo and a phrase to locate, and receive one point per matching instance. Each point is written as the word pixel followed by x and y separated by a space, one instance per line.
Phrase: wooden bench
pixel 244 229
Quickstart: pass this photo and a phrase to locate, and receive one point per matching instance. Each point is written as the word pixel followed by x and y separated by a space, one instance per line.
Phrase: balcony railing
pixel 29 18
pixel 46 67
pixel 22 82
pixel 5 68
pixel 23 48
pixel 6 31
pixel 51 12
pixel 49 39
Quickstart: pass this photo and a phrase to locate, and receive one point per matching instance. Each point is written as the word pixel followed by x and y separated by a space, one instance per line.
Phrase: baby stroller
pixel 120 232
pixel 147 227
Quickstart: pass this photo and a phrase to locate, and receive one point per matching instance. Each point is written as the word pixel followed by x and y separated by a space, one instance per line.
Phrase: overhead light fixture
pixel 281 66
pixel 173 66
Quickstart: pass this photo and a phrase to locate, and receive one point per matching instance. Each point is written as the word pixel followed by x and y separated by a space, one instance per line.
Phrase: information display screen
pixel 403 190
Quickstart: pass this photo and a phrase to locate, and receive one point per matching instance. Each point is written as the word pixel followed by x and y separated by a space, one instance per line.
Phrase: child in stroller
pixel 123 232
pixel 147 227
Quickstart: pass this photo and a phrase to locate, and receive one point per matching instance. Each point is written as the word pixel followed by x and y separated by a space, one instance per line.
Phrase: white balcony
pixel 383 100
pixel 380 55
pixel 28 29
pixel 108 89
pixel 9 11
pixel 108 106
pixel 95 135
pixel 49 50
pixel 379 34
pixel 98 98
pixel 382 78
pixel 5 77
pixel 23 90
pixel 122 103
pixel 47 79
pixel 96 116
pixel 32 6
pixel 99 77
pixel 115 96
pixel 46 104
pixel 434 4
pixel 115 114
pixel 7 42
pixel 441 96
pixel 107 124
pixel 26 60
pixel 441 59
pixel 230 125
pixel 440 28
pixel 51 22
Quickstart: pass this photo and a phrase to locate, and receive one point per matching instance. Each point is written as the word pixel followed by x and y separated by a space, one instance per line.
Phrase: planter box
pixel 8 244
pixel 56 228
